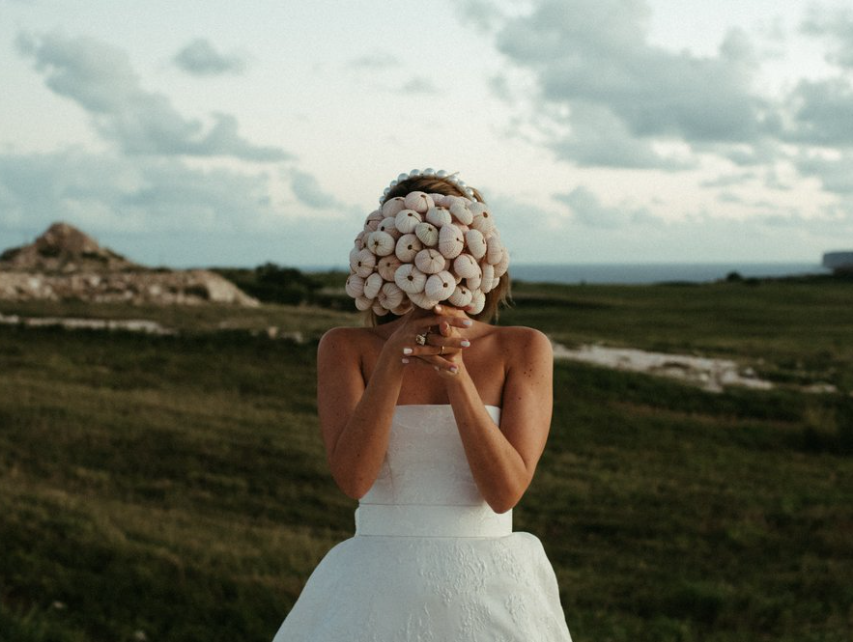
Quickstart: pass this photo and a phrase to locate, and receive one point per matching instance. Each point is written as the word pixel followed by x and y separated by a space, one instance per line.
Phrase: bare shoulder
pixel 344 335
pixel 345 340
pixel 529 383
pixel 527 343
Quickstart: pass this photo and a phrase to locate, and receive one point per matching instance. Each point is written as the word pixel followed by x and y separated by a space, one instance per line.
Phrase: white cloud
pixel 589 211
pixel 100 78
pixel 598 138
pixel 115 192
pixel 835 26
pixel 482 14
pixel 728 180
pixel 593 56
pixel 200 58
pixel 727 196
pixel 419 85
pixel 161 211
pixel 591 93
pixel 586 81
pixel 306 188
pixel 823 112
pixel 375 60
pixel 834 171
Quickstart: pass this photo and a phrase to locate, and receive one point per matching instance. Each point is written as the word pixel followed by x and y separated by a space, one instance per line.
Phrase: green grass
pixel 177 485
pixel 166 485
pixel 787 330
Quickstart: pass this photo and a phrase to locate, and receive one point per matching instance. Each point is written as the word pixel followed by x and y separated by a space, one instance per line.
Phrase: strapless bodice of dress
pixel 425 487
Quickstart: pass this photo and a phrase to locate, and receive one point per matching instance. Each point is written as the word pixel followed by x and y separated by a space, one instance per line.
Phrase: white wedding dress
pixel 430 560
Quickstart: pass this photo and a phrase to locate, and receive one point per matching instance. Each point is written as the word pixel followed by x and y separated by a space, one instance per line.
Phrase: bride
pixel 434 420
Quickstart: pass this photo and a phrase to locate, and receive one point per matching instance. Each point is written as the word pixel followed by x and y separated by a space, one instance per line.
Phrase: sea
pixel 648 273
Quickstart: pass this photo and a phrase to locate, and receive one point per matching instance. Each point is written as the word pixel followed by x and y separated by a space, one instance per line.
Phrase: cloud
pixel 482 14
pixel 100 78
pixel 419 85
pixel 598 138
pixel 820 112
pixel 582 229
pixel 757 208
pixel 306 188
pixel 830 222
pixel 835 173
pixel 500 87
pixel 835 26
pixel 375 60
pixel 162 211
pixel 772 180
pixel 727 196
pixel 592 59
pixel 762 152
pixel 589 211
pixel 144 194
pixel 200 58
pixel 823 112
pixel 728 180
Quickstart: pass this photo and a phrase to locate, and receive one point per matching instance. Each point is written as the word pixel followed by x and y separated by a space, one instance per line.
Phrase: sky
pixel 232 134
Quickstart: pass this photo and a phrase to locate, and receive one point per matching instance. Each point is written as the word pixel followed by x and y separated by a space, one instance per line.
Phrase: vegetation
pixel 271 283
pixel 174 487
pixel 790 331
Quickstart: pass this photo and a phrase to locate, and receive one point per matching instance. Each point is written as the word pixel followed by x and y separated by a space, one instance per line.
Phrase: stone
pixel 66 264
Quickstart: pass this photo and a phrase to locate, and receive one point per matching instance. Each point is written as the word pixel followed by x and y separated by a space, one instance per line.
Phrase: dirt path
pixel 711 374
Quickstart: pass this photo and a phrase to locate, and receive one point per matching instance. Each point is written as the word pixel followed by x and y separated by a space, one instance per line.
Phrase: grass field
pixel 174 488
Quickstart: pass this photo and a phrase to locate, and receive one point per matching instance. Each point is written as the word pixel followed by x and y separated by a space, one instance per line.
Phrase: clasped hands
pixel 435 339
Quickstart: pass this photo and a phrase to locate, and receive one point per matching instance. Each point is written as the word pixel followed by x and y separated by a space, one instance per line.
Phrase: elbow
pixel 504 502
pixel 502 507
pixel 352 488
pixel 351 491
pixel 350 485
pixel 502 499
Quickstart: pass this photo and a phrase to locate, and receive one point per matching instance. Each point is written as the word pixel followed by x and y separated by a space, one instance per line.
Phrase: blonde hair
pixel 496 298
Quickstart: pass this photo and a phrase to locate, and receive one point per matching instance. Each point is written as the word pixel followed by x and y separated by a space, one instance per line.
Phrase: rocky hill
pixel 63 249
pixel 64 263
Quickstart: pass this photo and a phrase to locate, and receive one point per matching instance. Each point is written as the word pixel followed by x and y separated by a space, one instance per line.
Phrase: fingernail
pixel 467 323
pixel 407 351
pixel 436 368
pixel 437 308
pixel 465 344
pixel 453 369
pixel 405 361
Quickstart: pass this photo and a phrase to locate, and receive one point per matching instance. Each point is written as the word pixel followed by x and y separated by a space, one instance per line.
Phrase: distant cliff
pixel 64 263
pixel 839 261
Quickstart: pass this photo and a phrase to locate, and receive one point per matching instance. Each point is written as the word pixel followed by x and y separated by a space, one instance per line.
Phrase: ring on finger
pixel 421 339
pixel 442 350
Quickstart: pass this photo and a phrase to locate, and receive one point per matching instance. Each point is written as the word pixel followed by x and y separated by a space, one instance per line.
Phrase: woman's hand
pixel 444 341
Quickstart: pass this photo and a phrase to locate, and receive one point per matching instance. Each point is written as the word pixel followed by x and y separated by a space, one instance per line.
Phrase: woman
pixel 434 420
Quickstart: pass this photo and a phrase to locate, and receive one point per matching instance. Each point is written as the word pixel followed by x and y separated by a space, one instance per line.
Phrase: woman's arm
pixel 503 459
pixel 354 418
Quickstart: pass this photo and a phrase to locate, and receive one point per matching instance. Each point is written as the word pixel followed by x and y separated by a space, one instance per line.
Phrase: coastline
pixel 650 273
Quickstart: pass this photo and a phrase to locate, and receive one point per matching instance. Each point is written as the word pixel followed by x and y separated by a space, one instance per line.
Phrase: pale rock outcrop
pixel 64 263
